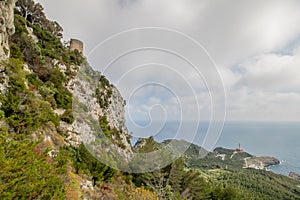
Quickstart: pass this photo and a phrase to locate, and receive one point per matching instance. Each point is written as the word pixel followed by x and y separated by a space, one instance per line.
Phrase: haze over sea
pixel 278 139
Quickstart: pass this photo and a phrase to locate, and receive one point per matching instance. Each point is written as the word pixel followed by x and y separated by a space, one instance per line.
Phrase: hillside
pixel 242 171
pixel 42 155
pixel 52 106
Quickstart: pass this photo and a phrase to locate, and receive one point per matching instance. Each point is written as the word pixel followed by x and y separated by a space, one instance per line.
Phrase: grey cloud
pixel 272 73
pixel 236 33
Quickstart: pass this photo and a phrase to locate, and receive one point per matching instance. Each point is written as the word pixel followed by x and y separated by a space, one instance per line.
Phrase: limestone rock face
pixel 6 26
pixel 98 99
pixel 115 111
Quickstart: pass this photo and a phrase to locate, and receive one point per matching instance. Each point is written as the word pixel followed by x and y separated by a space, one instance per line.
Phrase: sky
pixel 237 60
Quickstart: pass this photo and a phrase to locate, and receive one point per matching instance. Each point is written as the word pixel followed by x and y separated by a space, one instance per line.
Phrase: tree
pixel 25 7
pixel 37 14
pixel 34 13
pixel 86 163
pixel 159 183
pixel 31 11
pixel 194 186
pixel 221 193
pixel 55 29
pixel 176 175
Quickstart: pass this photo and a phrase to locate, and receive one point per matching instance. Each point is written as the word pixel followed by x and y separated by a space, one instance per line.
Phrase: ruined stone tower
pixel 76 45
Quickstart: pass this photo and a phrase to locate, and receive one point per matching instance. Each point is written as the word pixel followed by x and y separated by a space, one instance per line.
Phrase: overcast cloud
pixel 255 45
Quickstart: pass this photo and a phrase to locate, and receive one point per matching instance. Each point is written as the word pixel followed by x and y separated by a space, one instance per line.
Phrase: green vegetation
pixel 38 52
pixel 177 182
pixel 104 92
pixel 26 173
pixel 36 87
pixel 43 47
pixel 212 162
pixel 27 106
pixel 260 184
pixel 23 111
pixel 110 132
pixel 248 183
pixel 105 126
pixel 214 178
pixel 85 163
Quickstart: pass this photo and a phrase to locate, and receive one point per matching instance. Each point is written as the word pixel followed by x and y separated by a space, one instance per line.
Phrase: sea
pixel 277 139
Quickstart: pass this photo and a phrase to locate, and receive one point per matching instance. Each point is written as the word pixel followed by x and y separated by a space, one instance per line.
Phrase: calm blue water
pixel 278 139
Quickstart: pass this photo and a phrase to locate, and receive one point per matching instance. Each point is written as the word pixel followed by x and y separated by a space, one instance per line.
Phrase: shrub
pixel 2 114
pixel 34 80
pixel 15 51
pixel 105 126
pixel 63 99
pixel 68 116
pixel 87 163
pixel 24 174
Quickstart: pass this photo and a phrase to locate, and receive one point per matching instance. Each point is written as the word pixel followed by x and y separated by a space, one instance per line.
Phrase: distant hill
pixel 231 168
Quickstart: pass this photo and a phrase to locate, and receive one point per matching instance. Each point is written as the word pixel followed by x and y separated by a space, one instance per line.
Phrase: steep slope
pixel 229 168
pixel 6 26
pixel 41 152
pixel 95 97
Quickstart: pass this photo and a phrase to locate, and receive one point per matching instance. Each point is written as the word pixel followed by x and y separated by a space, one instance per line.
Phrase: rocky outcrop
pixel 140 143
pixel 260 162
pixel 268 161
pixel 6 26
pixel 294 175
pixel 88 90
pixel 6 29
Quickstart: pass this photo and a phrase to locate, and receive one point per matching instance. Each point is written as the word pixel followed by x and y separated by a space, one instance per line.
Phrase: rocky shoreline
pixel 260 162
pixel 294 175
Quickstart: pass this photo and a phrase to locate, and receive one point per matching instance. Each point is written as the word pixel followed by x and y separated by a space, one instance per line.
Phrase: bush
pixel 20 24
pixel 34 80
pixel 15 51
pixel 63 99
pixel 86 163
pixel 68 116
pixel 23 110
pixel 105 126
pixel 2 114
pixel 24 173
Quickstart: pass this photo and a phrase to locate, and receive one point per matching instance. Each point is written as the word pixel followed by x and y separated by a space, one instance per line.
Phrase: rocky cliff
pixel 260 162
pixel 6 26
pixel 42 84
pixel 95 97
